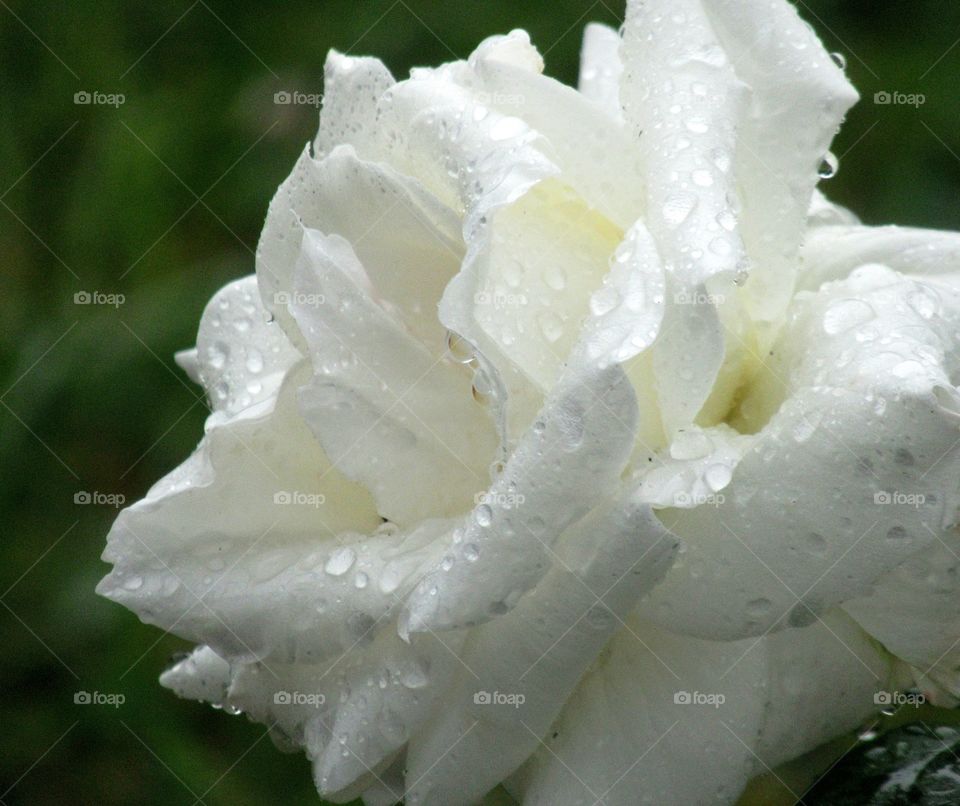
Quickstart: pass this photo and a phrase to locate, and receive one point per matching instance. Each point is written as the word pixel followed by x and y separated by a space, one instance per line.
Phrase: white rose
pixel 509 345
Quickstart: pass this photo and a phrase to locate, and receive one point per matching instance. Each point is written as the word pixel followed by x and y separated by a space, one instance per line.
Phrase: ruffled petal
pixel 259 548
pixel 352 88
pixel 854 468
pixel 915 612
pixel 392 413
pixel 683 100
pixel 832 252
pixel 518 670
pixel 242 354
pixel 570 458
pixel 597 154
pixel 409 241
pixel 668 719
pixel 798 98
pixel 600 68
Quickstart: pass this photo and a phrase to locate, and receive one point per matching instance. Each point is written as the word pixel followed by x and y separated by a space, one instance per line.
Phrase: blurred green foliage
pixel 162 200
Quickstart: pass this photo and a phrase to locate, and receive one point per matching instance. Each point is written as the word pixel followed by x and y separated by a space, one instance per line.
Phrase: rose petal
pixel 392 413
pixel 242 354
pixel 798 98
pixel 352 87
pixel 600 68
pixel 915 612
pixel 571 457
pixel 398 229
pixel 298 571
pixel 597 156
pixel 869 411
pixel 832 252
pixel 623 738
pixel 538 652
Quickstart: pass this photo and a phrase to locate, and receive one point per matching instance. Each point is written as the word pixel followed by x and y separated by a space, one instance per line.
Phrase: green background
pixel 94 198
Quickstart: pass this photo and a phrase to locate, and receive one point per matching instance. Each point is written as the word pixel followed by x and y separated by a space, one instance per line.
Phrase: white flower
pixel 508 346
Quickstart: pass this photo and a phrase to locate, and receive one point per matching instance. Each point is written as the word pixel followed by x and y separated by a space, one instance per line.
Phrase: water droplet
pixel 254 361
pixel 897 534
pixel 483 515
pixel 727 220
pixel 678 207
pixel 133 583
pixel 414 676
pixel 924 302
pixel 361 580
pixel 867 735
pixel 828 166
pixel 507 127
pixel 555 277
pixel 604 300
pixel 702 177
pixel 340 561
pixel 471 552
pixel 839 60
pixel 841 315
pixel 550 325
pixel 717 477
pixel 459 348
pixel 742 272
pixel 599 617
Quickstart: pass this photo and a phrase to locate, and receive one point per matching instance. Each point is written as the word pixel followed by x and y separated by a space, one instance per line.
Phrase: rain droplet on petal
pixel 340 561
pixel 828 166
